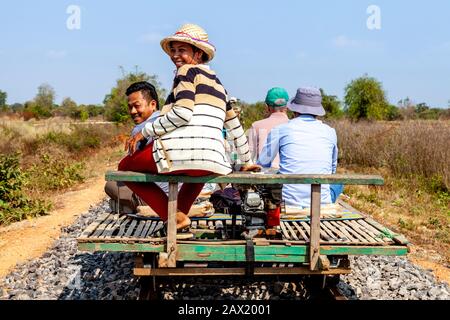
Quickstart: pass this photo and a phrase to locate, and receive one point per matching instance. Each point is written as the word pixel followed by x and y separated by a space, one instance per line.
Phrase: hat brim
pixel 206 47
pixel 300 108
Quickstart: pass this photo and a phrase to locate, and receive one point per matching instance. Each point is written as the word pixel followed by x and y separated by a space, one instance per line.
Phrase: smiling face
pixel 182 53
pixel 140 109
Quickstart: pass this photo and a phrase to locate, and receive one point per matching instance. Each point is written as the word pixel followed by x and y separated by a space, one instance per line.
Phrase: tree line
pixel 364 99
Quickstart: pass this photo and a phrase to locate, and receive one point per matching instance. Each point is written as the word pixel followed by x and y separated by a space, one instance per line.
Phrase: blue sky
pixel 260 44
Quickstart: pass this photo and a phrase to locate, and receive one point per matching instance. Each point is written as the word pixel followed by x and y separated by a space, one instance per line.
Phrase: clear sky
pixel 260 44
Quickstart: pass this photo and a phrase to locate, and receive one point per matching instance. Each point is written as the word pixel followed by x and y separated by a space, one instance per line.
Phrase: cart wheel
pixel 333 280
pixel 148 288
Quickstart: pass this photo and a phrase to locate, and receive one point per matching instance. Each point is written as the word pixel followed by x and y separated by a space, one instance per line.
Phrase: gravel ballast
pixel 65 273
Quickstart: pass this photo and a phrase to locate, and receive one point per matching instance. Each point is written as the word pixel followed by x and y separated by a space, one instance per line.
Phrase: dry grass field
pixel 42 158
pixel 414 159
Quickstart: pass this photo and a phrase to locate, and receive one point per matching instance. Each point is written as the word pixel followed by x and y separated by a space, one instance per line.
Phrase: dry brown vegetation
pixel 414 159
pixel 52 156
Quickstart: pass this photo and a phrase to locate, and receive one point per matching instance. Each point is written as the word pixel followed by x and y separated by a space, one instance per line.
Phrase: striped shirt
pixel 188 133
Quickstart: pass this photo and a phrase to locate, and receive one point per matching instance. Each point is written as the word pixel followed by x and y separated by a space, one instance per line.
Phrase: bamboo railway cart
pixel 309 245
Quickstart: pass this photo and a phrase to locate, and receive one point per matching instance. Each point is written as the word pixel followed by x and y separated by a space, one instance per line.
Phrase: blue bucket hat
pixel 308 100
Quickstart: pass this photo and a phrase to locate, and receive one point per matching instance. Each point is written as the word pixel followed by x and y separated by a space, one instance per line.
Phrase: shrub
pixel 14 205
pixel 407 148
pixel 55 173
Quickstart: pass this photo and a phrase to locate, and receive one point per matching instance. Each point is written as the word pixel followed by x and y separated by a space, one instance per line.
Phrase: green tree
pixel 42 105
pixel 94 110
pixel 70 108
pixel 366 99
pixel 116 104
pixel 45 97
pixel 332 106
pixel 16 107
pixel 252 112
pixel 3 105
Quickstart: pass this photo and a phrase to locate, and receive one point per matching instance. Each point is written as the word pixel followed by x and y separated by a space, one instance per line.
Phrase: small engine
pixel 261 209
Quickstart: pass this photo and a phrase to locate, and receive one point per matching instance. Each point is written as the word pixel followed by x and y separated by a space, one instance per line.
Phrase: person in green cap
pixel 276 103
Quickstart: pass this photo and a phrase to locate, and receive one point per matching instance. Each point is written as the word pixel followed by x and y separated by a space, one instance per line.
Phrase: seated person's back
pixel 306 146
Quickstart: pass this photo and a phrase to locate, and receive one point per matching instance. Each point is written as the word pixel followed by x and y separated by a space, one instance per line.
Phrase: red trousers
pixel 142 161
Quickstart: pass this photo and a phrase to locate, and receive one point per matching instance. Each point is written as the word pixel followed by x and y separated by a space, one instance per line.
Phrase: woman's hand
pixel 251 167
pixel 131 144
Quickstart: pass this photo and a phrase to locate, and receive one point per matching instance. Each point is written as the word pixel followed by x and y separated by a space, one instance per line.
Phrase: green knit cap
pixel 277 97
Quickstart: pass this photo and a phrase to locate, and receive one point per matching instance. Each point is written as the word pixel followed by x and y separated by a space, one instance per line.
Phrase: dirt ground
pixel 29 239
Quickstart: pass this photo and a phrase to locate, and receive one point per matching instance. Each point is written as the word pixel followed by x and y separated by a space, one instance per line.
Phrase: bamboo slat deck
pixel 112 228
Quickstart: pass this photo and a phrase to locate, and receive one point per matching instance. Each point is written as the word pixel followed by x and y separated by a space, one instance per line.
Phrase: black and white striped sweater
pixel 189 131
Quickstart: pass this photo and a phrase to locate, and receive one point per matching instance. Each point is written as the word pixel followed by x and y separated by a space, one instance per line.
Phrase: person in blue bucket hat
pixel 306 146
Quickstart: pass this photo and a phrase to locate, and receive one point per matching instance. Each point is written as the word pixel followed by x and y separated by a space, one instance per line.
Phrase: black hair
pixel 204 55
pixel 147 89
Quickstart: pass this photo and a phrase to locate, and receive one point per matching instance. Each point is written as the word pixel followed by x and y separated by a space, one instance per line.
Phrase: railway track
pixel 312 288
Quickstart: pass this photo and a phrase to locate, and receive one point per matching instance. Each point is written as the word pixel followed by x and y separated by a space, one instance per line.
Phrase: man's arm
pixel 335 153
pixel 182 110
pixel 270 149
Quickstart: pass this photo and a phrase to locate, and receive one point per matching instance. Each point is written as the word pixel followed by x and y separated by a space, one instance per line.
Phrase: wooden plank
pixel 123 226
pixel 291 230
pixel 259 271
pixel 156 225
pixel 398 238
pixel 250 178
pixel 343 229
pixel 372 229
pixel 353 232
pixel 327 232
pixel 93 226
pixel 299 249
pixel 139 228
pixel 131 228
pixel 307 227
pixel 146 228
pixel 284 230
pixel 323 235
pixel 314 243
pixel 171 248
pixel 324 263
pixel 342 236
pixel 102 227
pixel 112 227
pixel 367 230
pixel 300 230
pixel 357 229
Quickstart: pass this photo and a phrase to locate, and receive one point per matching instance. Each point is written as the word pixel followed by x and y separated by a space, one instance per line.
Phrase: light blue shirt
pixel 306 146
pixel 138 128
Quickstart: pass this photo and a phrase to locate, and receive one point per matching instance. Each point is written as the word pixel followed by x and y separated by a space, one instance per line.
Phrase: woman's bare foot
pixel 183 220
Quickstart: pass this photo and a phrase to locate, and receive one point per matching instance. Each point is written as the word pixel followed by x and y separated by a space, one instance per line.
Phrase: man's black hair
pixel 148 91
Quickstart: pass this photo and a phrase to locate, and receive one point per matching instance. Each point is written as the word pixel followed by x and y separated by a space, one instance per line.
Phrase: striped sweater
pixel 188 133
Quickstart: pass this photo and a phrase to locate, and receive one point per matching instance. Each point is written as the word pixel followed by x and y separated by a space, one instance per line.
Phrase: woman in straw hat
pixel 188 134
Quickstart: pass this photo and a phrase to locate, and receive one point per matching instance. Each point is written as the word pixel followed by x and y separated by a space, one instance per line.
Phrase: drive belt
pixel 250 257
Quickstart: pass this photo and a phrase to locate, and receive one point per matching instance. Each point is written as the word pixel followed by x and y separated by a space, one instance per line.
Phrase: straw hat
pixel 192 34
